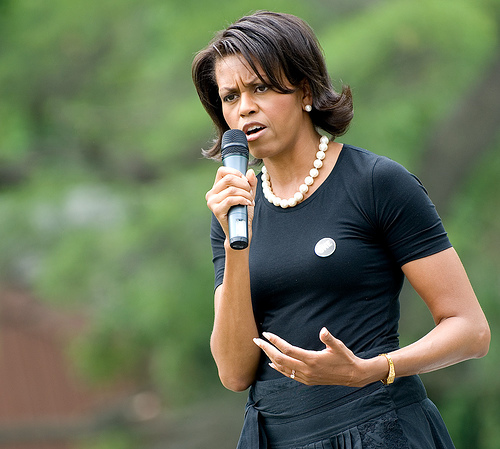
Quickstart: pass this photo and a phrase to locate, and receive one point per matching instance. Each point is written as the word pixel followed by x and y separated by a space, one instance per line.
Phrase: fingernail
pixel 266 335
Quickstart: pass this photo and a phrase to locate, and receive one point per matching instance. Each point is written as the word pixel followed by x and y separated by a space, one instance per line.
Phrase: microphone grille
pixel 234 141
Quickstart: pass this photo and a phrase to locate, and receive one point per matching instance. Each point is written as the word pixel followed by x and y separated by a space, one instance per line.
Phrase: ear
pixel 307 98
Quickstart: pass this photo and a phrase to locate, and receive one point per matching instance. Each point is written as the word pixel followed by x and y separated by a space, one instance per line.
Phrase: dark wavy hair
pixel 286 48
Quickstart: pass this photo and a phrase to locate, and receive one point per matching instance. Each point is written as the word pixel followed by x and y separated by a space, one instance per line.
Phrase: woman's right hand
pixel 232 188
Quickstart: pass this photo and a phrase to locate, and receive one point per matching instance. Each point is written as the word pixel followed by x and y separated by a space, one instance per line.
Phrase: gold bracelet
pixel 392 371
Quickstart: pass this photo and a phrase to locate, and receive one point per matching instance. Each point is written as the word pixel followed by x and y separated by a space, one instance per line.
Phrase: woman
pixel 308 314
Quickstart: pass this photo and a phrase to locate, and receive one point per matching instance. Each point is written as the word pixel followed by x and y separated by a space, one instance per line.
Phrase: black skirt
pixel 285 414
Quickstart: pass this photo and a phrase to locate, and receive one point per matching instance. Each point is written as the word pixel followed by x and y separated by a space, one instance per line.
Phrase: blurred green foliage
pixel 102 181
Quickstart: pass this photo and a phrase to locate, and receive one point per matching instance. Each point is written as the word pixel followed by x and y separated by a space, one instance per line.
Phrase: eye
pixel 229 98
pixel 262 88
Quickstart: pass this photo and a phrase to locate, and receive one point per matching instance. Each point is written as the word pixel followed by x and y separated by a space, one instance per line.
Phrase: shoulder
pixel 381 171
pixel 391 177
pixel 364 162
pixel 359 157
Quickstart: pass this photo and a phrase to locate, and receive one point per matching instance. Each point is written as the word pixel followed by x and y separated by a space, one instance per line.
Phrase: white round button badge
pixel 325 247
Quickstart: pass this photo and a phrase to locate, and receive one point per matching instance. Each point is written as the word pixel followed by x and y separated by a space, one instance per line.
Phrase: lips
pixel 253 130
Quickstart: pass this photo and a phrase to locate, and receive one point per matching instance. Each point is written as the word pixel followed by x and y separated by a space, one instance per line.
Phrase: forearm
pixel 231 343
pixel 453 340
pixel 461 330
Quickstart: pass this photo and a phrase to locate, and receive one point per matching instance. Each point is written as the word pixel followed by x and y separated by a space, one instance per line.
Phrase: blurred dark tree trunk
pixel 462 139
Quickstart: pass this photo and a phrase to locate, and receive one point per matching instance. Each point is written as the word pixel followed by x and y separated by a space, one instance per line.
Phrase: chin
pixel 258 151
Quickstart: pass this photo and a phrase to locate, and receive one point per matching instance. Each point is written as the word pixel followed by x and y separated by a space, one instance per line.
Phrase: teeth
pixel 254 129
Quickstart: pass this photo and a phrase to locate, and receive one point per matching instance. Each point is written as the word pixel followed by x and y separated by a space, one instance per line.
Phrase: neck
pixel 306 188
pixel 289 170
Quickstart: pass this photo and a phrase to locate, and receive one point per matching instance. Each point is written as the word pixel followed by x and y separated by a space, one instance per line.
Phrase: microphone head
pixel 234 141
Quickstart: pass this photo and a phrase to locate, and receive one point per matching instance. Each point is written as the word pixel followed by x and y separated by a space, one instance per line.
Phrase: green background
pixel 102 182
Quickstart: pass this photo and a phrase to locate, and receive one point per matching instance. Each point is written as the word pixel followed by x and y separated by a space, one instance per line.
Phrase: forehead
pixel 232 67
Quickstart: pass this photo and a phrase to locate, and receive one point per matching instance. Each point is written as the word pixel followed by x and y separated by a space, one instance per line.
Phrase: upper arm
pixel 404 215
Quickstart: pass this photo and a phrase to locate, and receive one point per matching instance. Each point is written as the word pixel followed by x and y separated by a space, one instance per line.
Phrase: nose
pixel 248 105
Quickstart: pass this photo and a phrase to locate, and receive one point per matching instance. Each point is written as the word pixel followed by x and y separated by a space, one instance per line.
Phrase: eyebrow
pixel 253 82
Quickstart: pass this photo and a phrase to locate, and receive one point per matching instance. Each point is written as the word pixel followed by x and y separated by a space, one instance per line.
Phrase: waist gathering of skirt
pixel 285 414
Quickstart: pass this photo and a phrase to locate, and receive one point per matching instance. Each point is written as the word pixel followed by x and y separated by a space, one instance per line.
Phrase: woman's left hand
pixel 334 365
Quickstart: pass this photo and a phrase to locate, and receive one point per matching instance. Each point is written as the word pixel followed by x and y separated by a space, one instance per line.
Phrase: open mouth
pixel 254 129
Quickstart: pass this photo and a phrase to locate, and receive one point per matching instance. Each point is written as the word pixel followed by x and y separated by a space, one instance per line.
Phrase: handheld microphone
pixel 235 155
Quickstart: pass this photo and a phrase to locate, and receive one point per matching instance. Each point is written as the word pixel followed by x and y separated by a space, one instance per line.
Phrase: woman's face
pixel 272 121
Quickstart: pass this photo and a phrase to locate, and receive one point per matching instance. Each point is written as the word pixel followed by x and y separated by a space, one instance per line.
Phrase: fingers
pixel 283 346
pixel 232 182
pixel 292 373
pixel 334 365
pixel 330 341
pixel 252 179
pixel 285 358
pixel 230 188
pixel 327 338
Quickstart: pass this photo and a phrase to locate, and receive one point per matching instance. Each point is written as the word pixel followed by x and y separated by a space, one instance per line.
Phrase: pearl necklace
pixel 304 188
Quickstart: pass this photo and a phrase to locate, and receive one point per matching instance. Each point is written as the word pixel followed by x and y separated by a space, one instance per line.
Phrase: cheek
pixel 229 117
pixel 290 103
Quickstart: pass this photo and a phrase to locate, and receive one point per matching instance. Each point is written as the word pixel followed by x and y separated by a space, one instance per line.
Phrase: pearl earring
pixel 308 108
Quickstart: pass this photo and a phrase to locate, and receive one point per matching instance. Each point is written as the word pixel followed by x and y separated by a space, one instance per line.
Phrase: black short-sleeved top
pixel 376 216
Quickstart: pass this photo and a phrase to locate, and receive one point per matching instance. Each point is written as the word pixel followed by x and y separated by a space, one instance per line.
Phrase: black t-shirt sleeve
pixel 406 217
pixel 217 238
